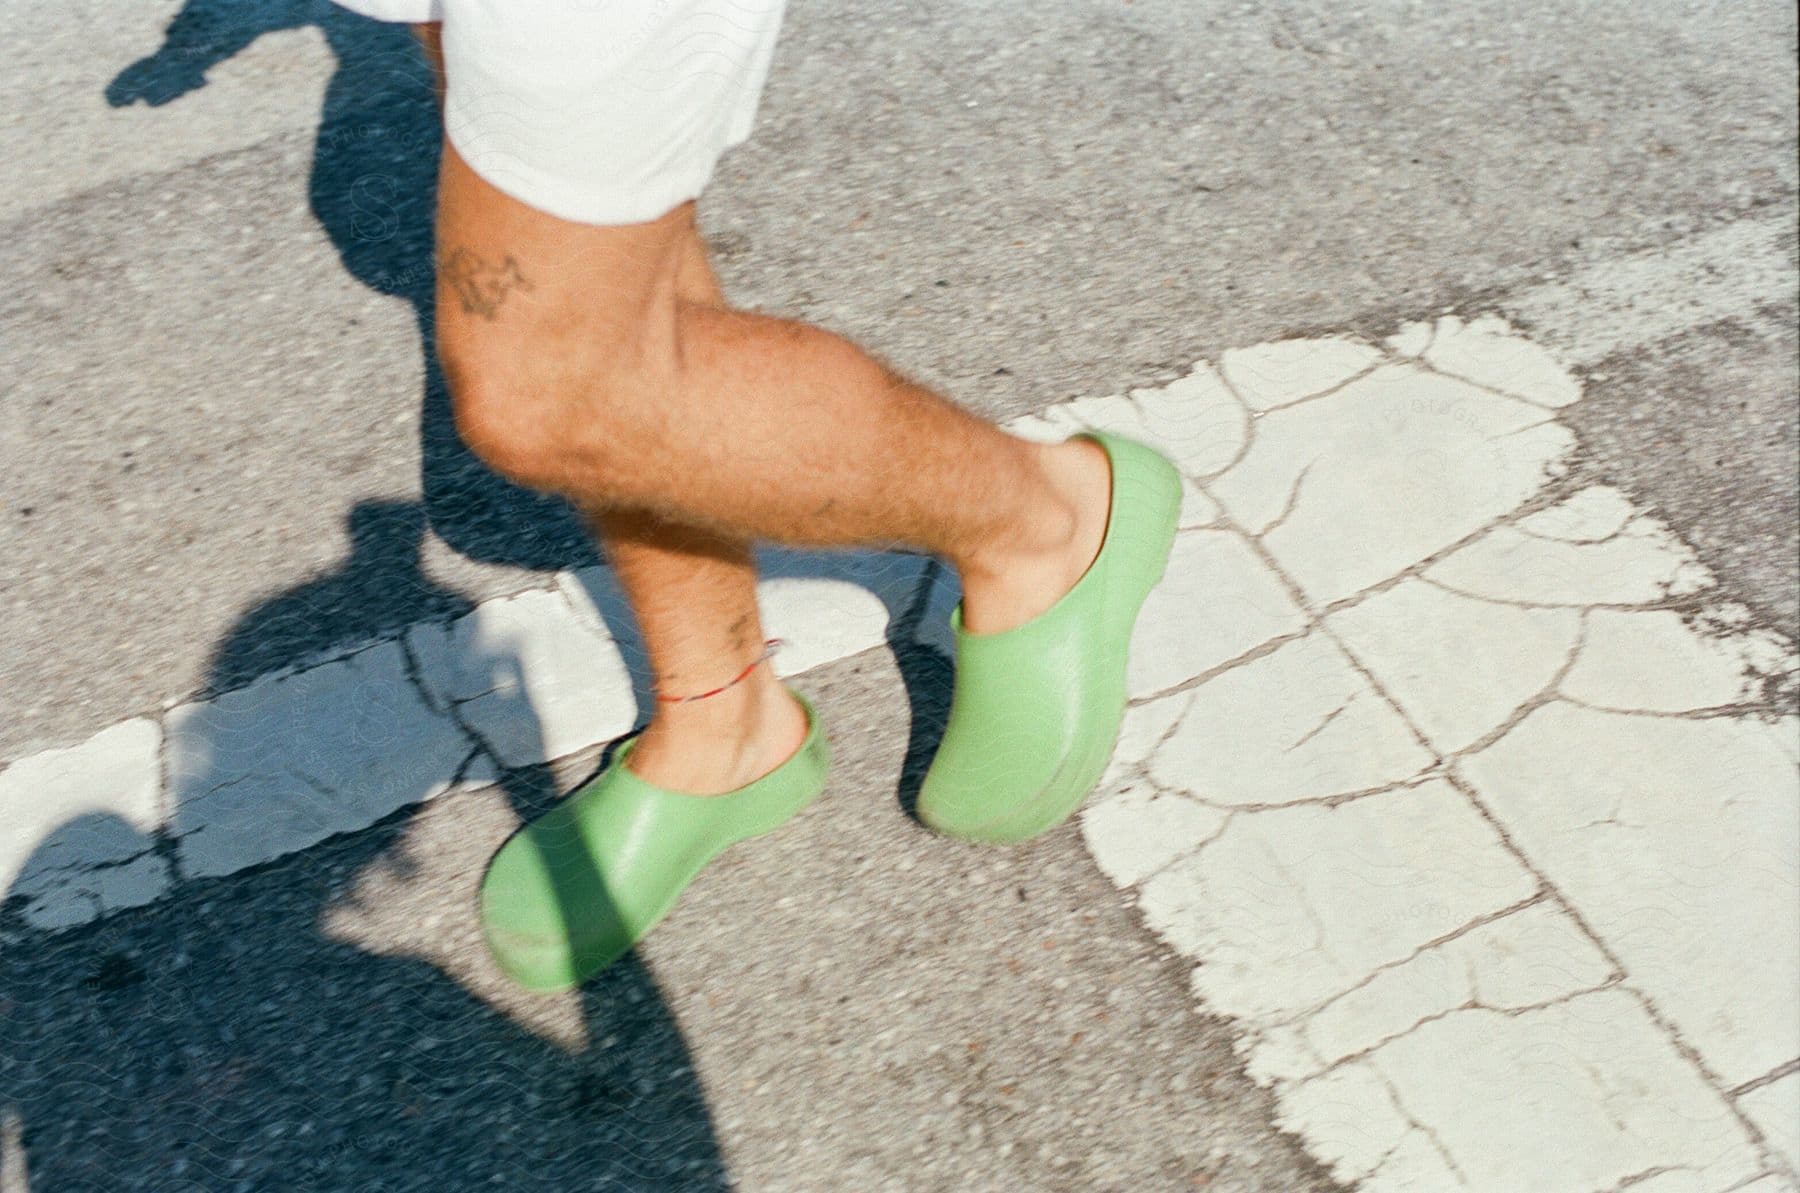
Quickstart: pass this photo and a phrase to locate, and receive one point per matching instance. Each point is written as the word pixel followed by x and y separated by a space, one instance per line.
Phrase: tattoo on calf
pixel 480 285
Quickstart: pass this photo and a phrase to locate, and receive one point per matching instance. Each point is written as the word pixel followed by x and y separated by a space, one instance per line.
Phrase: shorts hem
pixel 588 204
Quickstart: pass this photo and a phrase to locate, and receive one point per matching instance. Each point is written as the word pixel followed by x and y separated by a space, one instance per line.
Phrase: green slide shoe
pixel 1036 709
pixel 575 889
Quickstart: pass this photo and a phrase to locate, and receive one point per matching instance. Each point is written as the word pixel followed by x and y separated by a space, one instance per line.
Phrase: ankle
pixel 1021 579
pixel 736 714
pixel 1045 526
pixel 719 750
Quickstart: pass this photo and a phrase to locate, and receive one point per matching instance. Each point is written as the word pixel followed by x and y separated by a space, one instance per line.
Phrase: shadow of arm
pixel 202 35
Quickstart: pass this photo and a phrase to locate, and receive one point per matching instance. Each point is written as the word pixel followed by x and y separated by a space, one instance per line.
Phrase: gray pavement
pixel 217 399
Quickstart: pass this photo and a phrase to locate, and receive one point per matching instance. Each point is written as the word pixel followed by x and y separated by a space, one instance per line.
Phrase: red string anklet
pixel 769 647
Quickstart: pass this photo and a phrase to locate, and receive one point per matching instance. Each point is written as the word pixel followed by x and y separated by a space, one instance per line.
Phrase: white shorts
pixel 598 111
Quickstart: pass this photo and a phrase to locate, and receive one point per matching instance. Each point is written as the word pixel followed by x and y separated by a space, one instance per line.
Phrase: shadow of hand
pixel 203 33
pixel 154 80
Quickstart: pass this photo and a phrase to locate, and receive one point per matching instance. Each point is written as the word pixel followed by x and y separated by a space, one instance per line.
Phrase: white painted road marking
pixel 1465 856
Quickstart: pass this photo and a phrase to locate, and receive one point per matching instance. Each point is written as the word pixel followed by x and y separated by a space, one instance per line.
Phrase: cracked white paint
pixel 79 824
pixel 1590 515
pixel 1488 353
pixel 529 674
pixel 1216 602
pixel 1530 956
pixel 1639 564
pixel 1197 509
pixel 1139 830
pixel 1349 489
pixel 1775 1109
pixel 1679 842
pixel 292 759
pixel 1269 376
pixel 1196 421
pixel 1411 340
pixel 1504 655
pixel 1298 724
pixel 1578 1094
pixel 1653 662
pixel 1290 906
pixel 1202 423
pixel 1477 928
pixel 1145 724
pixel 1353 1125
pixel 1501 969
pixel 1416 1163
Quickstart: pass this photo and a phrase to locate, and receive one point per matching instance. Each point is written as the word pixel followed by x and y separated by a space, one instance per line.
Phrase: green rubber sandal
pixel 1036 709
pixel 575 889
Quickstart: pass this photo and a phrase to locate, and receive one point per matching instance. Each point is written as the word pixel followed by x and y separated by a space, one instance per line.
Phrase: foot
pixel 580 885
pixel 1037 706
pixel 719 744
pixel 1016 582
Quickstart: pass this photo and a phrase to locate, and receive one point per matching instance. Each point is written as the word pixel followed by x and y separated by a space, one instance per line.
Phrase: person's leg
pixel 693 592
pixel 589 354
pixel 577 366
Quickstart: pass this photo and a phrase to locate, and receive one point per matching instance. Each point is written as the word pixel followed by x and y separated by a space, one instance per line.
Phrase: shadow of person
pixel 373 188
pixel 327 1020
pixel 323 1020
pixel 378 590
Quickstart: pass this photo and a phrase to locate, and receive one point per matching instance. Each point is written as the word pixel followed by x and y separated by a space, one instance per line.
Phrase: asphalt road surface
pixel 217 398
